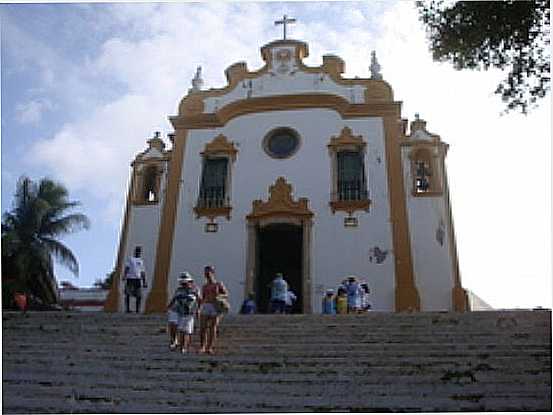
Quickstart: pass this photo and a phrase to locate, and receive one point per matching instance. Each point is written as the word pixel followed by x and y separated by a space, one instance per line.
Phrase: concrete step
pixel 96 362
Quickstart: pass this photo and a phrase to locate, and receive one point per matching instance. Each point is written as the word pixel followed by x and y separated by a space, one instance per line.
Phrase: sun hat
pixel 330 291
pixel 185 277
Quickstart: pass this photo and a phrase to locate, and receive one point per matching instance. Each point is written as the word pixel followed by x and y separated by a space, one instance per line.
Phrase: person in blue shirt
pixel 329 303
pixel 279 290
pixel 355 294
pixel 249 306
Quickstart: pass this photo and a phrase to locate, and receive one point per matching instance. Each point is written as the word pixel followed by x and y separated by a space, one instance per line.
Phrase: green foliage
pixel 29 238
pixel 509 35
pixel 105 283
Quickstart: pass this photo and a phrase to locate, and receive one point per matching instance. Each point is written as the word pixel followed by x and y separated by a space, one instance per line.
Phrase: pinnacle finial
pixel 197 82
pixel 375 67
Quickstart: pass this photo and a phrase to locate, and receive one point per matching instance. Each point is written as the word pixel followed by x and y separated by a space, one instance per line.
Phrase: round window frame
pixel 278 130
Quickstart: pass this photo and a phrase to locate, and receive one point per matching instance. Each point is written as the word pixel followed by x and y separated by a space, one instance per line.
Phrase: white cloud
pixel 31 112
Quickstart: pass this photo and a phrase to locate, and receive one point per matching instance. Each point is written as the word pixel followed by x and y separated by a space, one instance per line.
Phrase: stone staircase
pixel 378 362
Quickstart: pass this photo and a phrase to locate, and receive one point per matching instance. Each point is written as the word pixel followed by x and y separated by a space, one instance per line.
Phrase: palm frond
pixel 65 224
pixel 62 254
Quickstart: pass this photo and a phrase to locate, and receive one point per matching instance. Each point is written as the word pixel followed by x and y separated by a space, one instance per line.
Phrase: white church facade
pixel 298 170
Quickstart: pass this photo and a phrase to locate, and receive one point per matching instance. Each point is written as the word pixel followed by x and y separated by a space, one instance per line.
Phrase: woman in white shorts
pixel 209 315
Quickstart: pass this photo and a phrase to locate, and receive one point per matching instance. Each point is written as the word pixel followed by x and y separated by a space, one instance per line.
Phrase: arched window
pixel 424 170
pixel 349 191
pixel 215 180
pixel 150 187
pixel 147 184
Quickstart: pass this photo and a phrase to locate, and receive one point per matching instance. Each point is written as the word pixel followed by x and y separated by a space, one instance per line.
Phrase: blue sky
pixel 85 85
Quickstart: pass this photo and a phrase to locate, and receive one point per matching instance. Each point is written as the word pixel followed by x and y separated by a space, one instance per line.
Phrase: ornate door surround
pixel 281 208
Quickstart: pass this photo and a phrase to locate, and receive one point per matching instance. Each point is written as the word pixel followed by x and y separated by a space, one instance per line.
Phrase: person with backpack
pixel 279 290
pixel 181 311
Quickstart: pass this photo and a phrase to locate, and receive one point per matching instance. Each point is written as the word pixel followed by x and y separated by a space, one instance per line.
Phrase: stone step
pixel 96 362
pixel 235 402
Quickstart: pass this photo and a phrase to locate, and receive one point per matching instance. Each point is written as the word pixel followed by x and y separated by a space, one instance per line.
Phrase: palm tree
pixel 29 238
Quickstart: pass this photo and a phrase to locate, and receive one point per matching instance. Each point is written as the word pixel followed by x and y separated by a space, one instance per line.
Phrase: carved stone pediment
pixel 220 145
pixel 346 140
pixel 280 203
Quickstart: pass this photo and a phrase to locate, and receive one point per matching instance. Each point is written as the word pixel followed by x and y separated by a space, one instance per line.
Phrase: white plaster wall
pixel 143 230
pixel 432 262
pixel 336 251
pixel 276 84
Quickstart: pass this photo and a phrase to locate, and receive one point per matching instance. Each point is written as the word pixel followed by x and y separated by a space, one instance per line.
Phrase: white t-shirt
pixel 135 268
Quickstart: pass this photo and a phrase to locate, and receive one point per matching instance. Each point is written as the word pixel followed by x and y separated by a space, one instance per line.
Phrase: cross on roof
pixel 285 20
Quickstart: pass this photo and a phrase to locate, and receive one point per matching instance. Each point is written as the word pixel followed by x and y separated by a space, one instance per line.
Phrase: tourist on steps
pixel 365 302
pixel 342 301
pixel 181 311
pixel 279 290
pixel 132 275
pixel 249 306
pixel 291 298
pixel 209 313
pixel 329 302
pixel 355 294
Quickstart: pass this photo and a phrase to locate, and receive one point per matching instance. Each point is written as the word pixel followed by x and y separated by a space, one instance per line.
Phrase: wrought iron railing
pixel 212 197
pixel 351 190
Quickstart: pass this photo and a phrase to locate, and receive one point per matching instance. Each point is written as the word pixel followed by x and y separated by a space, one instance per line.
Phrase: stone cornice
pixel 283 103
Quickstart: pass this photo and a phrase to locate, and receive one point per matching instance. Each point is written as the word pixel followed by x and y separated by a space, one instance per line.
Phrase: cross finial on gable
pixel 285 20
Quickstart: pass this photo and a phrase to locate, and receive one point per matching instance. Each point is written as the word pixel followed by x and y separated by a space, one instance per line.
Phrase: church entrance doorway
pixel 279 250
pixel 279 240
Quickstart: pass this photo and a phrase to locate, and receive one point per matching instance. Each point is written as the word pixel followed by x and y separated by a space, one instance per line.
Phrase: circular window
pixel 281 143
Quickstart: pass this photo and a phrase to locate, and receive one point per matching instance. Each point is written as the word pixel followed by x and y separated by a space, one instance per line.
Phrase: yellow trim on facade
pixel 212 212
pixel 283 103
pixel 333 66
pixel 157 298
pixel 345 141
pixel 280 203
pixel 281 208
pixel 220 145
pixel 349 206
pixel 406 294
pixel 426 153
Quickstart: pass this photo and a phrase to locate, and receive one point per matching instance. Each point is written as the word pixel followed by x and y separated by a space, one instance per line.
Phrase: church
pixel 298 170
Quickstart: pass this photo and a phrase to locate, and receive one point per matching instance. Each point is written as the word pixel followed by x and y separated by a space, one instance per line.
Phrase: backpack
pixel 185 303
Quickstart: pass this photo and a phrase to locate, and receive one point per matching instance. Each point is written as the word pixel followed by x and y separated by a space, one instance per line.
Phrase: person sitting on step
pixel 249 306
